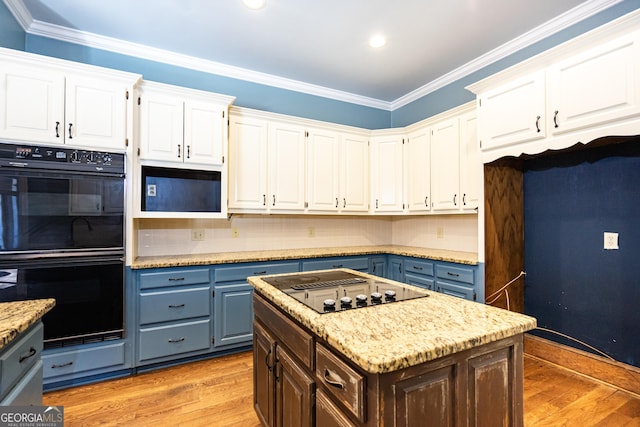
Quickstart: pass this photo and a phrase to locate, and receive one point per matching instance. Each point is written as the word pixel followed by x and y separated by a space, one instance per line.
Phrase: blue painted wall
pixel 573 285
pixel 11 33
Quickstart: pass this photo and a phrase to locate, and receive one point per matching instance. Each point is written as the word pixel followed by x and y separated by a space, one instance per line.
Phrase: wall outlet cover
pixel 611 240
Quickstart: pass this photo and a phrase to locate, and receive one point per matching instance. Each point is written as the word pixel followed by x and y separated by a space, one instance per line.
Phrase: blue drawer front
pixel 458 274
pixel 418 267
pixel 164 306
pixel 418 280
pixel 159 279
pixel 456 290
pixel 361 263
pixel 240 273
pixel 71 362
pixel 174 340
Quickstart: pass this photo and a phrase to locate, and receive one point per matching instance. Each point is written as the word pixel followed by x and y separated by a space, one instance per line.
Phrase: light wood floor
pixel 218 392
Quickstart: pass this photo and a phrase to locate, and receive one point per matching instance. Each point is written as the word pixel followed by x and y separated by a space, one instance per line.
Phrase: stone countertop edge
pixel 459 257
pixel 390 337
pixel 16 317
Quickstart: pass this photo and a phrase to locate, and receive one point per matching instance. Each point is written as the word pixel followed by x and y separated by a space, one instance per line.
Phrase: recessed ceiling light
pixel 254 4
pixel 377 41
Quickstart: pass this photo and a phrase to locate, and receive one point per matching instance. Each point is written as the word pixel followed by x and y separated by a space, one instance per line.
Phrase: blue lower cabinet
pixel 377 265
pixel 457 280
pixel 233 308
pixel 396 268
pixel 420 281
pixel 175 340
pixel 83 363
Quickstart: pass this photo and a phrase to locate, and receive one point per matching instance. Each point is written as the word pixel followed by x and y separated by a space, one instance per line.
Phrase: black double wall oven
pixel 62 236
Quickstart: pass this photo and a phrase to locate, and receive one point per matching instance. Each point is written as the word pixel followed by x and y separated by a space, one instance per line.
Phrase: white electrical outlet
pixel 312 232
pixel 440 233
pixel 151 190
pixel 610 240
pixel 235 232
pixel 197 234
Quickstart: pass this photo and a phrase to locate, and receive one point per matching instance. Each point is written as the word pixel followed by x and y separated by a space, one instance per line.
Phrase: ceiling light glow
pixel 377 41
pixel 254 4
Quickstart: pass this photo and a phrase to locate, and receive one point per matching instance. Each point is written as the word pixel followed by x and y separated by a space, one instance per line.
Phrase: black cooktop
pixel 337 290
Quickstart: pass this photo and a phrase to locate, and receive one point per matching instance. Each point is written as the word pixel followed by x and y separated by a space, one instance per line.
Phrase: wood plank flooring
pixel 218 392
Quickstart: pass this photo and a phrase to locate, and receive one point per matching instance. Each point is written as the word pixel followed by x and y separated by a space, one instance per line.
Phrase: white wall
pixel 263 232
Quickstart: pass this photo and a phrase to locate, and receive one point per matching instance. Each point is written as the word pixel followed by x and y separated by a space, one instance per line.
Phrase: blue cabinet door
pixel 396 268
pixel 233 315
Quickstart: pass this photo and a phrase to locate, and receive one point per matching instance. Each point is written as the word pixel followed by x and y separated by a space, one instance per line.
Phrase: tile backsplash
pixel 158 237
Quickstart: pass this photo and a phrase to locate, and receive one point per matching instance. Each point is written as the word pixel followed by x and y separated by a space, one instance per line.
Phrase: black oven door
pixel 60 211
pixel 89 294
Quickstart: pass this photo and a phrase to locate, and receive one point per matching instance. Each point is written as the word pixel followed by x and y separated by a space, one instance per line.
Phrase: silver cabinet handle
pixel 171 340
pixel 333 379
pixel 71 136
pixel 538 124
pixel 555 119
pixel 176 305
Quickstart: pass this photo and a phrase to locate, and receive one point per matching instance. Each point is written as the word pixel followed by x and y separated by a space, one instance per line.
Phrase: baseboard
pixel 620 375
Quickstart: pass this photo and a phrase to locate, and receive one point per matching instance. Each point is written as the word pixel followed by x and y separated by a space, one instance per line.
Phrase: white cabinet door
pixel 470 164
pixel 354 177
pixel 513 113
pixel 323 170
pixel 596 86
pixel 387 173
pixel 161 127
pixel 418 170
pixel 204 132
pixel 96 113
pixel 248 163
pixel 32 104
pixel 445 166
pixel 286 154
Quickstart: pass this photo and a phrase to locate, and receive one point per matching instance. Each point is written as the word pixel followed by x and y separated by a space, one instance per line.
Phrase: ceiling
pixel 319 47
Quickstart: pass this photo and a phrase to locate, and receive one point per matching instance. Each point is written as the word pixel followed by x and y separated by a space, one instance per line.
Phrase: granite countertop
pixel 390 337
pixel 16 317
pixel 459 257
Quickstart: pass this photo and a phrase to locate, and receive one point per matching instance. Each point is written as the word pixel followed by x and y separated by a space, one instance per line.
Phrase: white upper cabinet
pixel 354 173
pixel 248 163
pixel 445 165
pixel 323 170
pixel 594 87
pixel 286 154
pixel 470 164
pixel 418 170
pixel 581 90
pixel 182 126
pixel 49 101
pixel 386 174
pixel 513 113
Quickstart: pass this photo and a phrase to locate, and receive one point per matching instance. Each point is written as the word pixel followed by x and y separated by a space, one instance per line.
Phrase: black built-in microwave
pixel 181 190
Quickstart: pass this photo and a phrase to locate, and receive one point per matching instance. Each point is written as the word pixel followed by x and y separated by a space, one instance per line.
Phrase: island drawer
pixel 174 277
pixel 19 357
pixel 165 306
pixel 341 381
pixel 295 338
pixel 240 273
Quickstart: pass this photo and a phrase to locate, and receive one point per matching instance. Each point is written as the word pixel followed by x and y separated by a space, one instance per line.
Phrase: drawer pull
pixel 172 341
pixel 176 279
pixel 64 365
pixel 256 273
pixel 333 379
pixel 453 274
pixel 32 352
pixel 337 266
pixel 176 305
pixel 415 267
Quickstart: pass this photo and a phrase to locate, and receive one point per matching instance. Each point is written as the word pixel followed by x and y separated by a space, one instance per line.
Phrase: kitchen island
pixel 435 360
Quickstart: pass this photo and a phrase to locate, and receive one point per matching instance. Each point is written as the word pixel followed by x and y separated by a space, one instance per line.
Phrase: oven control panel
pixel 58 157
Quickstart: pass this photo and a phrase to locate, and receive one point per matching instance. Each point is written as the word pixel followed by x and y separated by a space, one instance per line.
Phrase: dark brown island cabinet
pixel 300 380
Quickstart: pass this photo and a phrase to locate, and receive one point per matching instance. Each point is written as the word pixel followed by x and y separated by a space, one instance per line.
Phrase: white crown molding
pixel 541 32
pixel 573 16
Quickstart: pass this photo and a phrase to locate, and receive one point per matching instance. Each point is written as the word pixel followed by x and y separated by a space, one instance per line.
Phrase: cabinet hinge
pixel 306 134
pixel 223 114
pixel 223 160
pixel 126 94
pixel 481 144
pixel 213 294
pixel 480 102
pixel 138 100
pixel 126 142
pixel 213 340
pixel 138 151
pixel 475 296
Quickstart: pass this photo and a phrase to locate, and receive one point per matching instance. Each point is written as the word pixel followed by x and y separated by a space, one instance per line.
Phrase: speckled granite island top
pixel 16 317
pixel 389 337
pixel 284 254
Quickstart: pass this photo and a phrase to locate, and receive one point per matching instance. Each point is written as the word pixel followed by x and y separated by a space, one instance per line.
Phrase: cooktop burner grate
pixel 327 284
